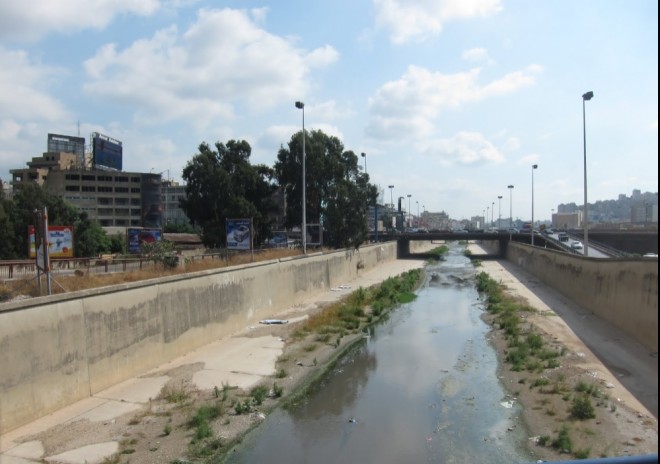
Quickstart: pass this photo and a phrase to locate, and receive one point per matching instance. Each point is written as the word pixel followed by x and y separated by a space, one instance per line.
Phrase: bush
pixel 582 408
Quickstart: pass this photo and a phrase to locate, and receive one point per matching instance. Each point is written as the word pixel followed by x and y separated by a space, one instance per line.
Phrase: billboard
pixel 60 242
pixel 239 234
pixel 135 237
pixel 66 143
pixel 106 152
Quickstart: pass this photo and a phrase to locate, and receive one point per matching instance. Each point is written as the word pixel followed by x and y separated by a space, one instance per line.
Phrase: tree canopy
pixel 337 194
pixel 222 184
pixel 17 213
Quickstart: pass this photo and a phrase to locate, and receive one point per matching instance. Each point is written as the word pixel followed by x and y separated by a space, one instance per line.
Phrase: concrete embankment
pixel 59 349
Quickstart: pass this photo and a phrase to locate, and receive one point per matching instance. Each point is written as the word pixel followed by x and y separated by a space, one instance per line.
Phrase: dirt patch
pixel 546 399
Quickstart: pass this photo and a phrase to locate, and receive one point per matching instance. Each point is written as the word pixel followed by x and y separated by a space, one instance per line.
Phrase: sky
pixel 451 101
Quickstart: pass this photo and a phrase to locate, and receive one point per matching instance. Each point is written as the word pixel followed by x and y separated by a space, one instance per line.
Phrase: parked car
pixel 576 245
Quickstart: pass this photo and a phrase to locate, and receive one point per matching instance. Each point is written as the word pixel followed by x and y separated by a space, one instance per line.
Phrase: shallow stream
pixel 422 387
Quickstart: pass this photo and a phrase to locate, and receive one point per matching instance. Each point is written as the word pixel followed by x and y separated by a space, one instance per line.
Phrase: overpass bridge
pixel 614 243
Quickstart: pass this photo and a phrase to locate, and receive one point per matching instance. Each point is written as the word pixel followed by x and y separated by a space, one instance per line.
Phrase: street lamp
pixel 487 213
pixel 492 213
pixel 391 198
pixel 535 166
pixel 484 218
pixel 409 220
pixel 364 155
pixel 300 105
pixel 417 212
pixel 587 96
pixel 499 212
pixel 510 187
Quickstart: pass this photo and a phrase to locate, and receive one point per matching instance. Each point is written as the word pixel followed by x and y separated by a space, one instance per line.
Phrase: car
pixel 650 255
pixel 576 245
pixel 241 233
pixel 513 230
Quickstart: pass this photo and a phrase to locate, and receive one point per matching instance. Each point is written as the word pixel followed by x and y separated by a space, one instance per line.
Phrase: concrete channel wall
pixel 622 291
pixel 62 348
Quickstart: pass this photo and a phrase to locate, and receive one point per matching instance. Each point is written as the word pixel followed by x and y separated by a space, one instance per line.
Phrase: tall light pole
pixel 484 218
pixel 416 201
pixel 364 155
pixel 587 96
pixel 492 214
pixel 535 166
pixel 510 187
pixel 487 213
pixel 392 205
pixel 300 105
pixel 499 212
pixel 409 220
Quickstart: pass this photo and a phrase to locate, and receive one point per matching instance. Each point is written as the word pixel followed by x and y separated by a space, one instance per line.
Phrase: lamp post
pixel 510 187
pixel 487 213
pixel 492 214
pixel 499 212
pixel 484 218
pixel 417 212
pixel 300 105
pixel 409 220
pixel 587 96
pixel 535 166
pixel 391 204
pixel 364 155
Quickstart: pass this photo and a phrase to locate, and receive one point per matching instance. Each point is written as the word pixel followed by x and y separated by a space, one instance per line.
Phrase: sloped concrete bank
pixel 59 349
pixel 622 291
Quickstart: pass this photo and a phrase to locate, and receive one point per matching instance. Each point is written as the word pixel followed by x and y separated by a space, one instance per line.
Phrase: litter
pixel 274 321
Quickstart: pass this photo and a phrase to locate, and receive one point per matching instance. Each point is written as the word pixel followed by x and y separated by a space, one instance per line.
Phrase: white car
pixel 576 245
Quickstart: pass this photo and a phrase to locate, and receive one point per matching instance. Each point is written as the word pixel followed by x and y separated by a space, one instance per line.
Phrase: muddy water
pixel 422 387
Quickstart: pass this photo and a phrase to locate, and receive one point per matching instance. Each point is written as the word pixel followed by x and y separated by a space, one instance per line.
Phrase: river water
pixel 422 387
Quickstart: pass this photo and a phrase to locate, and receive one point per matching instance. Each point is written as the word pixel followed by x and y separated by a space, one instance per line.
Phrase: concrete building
pixel 114 199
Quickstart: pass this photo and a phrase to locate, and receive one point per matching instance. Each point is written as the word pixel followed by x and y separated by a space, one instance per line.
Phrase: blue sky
pixel 451 100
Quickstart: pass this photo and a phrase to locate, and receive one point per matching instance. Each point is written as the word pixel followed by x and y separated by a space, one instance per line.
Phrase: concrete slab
pixel 11 439
pixel 7 459
pixel 28 450
pixel 109 410
pixel 90 454
pixel 137 390
pixel 208 379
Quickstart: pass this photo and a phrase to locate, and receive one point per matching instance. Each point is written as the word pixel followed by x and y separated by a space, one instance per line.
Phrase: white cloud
pixel 33 19
pixel 409 105
pixel 223 60
pixel 24 89
pixel 477 54
pixel 419 20
pixel 463 148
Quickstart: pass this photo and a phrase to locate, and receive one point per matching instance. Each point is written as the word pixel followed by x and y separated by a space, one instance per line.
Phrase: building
pixel 171 193
pixel 112 197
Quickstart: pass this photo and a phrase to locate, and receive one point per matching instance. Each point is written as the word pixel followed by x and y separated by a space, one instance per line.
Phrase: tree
pixel 222 185
pixel 17 214
pixel 337 194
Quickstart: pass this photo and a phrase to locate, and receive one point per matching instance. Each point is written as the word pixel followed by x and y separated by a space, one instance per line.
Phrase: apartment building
pixel 114 199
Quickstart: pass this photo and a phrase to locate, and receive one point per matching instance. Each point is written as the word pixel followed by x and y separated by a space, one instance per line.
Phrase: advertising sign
pixel 314 235
pixel 239 234
pixel 106 152
pixel 135 237
pixel 60 242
